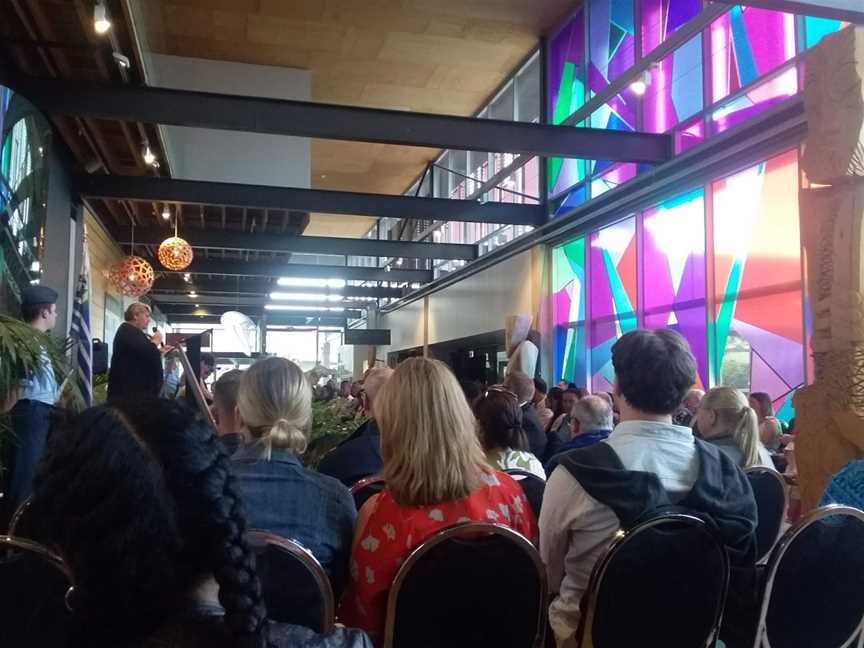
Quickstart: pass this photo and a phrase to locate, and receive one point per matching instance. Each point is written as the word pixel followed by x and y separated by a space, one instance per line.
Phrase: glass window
pixel 675 92
pixel 442 177
pixel 746 44
pixel 662 18
pixel 755 100
pixel 504 105
pixel 528 92
pixel 611 41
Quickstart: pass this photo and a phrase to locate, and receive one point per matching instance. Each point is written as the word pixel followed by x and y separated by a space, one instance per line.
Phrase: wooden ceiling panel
pixel 446 56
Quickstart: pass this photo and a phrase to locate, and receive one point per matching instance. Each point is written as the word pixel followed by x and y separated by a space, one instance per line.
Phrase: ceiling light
pixel 166 213
pixel 197 305
pixel 317 309
pixel 317 297
pixel 187 277
pixel 313 283
pixel 100 18
pixel 121 60
pixel 640 86
pixel 147 154
pixel 193 294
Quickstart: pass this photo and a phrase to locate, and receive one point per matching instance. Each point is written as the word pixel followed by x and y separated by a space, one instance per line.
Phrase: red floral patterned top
pixel 392 532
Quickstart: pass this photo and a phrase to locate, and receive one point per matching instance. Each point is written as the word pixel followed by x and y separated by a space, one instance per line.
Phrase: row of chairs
pixel 813 593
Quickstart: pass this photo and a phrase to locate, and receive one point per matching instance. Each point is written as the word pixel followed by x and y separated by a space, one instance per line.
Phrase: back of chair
pixel 769 489
pixel 814 590
pixel 20 526
pixel 471 585
pixel 532 486
pixel 366 488
pixel 663 583
pixel 33 586
pixel 295 586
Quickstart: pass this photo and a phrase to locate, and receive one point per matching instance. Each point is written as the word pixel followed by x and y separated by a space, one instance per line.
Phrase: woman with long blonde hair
pixel 281 496
pixel 726 419
pixel 436 476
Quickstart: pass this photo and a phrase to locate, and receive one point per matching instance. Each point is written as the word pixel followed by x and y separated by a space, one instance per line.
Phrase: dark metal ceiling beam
pixel 847 10
pixel 196 192
pixel 173 283
pixel 282 269
pixel 255 311
pixel 304 119
pixel 236 302
pixel 261 242
pixel 179 319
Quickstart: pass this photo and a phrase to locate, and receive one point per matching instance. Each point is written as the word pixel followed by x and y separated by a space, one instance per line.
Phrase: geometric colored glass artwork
pixel 758 317
pixel 689 135
pixel 568 308
pixel 662 18
pixel 815 29
pixel 619 113
pixel 673 265
pixel 566 79
pixel 754 101
pixel 574 198
pixel 612 271
pixel 611 41
pixel 615 176
pixel 746 44
pixel 675 92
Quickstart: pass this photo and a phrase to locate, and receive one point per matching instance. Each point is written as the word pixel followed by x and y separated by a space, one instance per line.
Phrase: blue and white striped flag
pixel 82 343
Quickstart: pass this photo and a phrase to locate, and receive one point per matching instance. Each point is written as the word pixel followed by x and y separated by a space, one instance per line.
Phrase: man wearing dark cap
pixel 31 414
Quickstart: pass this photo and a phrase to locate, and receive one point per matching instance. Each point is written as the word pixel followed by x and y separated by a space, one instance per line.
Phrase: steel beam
pixel 265 242
pixel 305 119
pixel 229 194
pixel 282 269
pixel 254 311
pixel 279 320
pixel 248 287
pixel 847 10
pixel 240 301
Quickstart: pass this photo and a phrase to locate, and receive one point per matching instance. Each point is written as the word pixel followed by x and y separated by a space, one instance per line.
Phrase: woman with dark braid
pixel 140 502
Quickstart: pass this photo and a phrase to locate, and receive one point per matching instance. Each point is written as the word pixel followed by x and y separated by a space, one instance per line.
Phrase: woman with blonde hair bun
pixel 281 496
pixel 436 476
pixel 726 419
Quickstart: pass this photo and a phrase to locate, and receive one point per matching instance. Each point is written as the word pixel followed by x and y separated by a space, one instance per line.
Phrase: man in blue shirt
pixel 31 414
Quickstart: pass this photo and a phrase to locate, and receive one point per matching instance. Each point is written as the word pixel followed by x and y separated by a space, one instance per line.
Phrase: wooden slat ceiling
pixel 438 56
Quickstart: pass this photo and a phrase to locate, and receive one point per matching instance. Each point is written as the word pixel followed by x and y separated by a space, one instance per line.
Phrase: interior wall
pixel 103 254
pixel 476 305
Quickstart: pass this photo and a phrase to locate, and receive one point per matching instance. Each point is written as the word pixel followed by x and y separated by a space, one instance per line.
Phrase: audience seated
pixel 590 422
pixel 770 429
pixel 473 390
pixel 647 464
pixel 436 477
pixel 224 410
pixel 281 495
pixel 359 455
pixel 726 420
pixel 499 419
pixel 544 414
pixel 846 487
pixel 555 403
pixel 522 386
pixel 686 414
pixel 560 427
pixel 140 502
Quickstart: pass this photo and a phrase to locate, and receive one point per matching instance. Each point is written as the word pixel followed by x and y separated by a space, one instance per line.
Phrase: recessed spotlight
pixel 193 294
pixel 187 277
pixel 166 213
pixel 100 18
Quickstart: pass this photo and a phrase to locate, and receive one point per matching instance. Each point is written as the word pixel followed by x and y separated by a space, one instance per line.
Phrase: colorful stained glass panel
pixel 662 18
pixel 675 92
pixel 755 101
pixel 568 306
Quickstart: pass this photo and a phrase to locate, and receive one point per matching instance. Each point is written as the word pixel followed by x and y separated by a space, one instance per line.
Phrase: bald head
pixel 692 400
pixel 591 413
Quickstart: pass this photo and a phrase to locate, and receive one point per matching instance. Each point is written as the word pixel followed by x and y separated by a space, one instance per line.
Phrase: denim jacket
pixel 283 497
